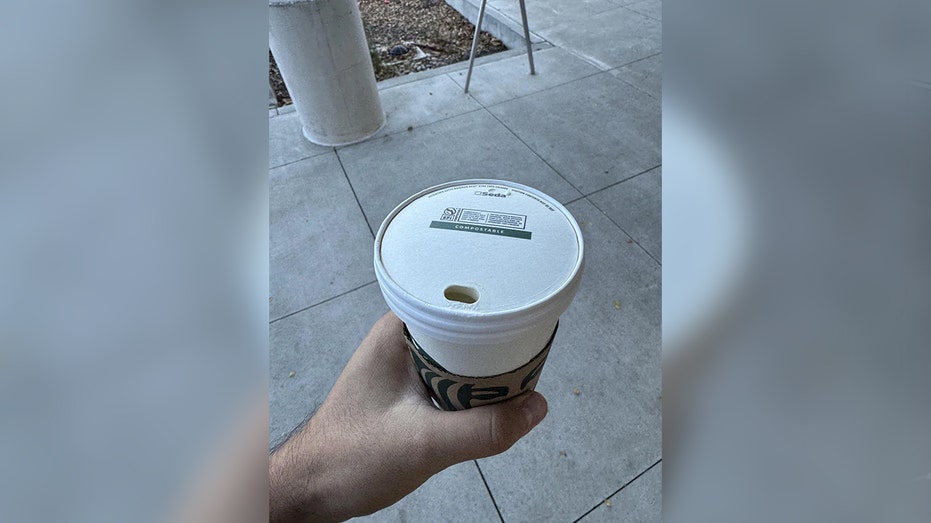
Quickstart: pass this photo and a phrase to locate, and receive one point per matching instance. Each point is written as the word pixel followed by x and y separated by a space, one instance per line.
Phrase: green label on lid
pixel 482 229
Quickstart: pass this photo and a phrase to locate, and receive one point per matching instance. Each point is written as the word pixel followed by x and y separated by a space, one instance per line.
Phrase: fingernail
pixel 535 409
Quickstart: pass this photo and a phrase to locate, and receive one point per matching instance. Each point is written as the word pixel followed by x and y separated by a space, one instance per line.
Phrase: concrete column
pixel 321 51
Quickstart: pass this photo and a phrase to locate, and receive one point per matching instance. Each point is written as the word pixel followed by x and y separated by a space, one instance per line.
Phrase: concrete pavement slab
pixel 315 344
pixel 456 494
pixel 608 347
pixel 319 244
pixel 646 75
pixel 505 80
pixel 423 102
pixel 609 39
pixel 595 131
pixel 475 145
pixel 635 206
pixel 286 143
pixel 639 502
pixel 651 8
pixel 542 15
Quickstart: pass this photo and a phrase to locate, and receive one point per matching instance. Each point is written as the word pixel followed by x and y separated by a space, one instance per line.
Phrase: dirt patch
pixel 405 36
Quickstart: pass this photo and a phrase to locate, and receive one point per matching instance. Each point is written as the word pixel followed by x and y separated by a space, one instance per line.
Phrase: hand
pixel 377 436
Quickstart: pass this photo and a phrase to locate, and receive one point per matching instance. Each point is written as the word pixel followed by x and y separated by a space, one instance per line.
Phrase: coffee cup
pixel 479 271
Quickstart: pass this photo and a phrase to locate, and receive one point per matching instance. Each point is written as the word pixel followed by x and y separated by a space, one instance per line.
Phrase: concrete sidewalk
pixel 586 130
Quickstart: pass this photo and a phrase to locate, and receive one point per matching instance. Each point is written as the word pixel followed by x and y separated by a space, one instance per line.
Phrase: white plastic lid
pixel 478 258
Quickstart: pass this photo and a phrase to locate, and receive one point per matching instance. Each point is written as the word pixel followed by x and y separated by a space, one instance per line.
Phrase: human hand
pixel 378 436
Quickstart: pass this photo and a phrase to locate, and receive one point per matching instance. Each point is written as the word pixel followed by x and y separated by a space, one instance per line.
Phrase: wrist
pixel 297 481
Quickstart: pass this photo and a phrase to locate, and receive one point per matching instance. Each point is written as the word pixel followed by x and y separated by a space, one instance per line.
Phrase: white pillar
pixel 321 51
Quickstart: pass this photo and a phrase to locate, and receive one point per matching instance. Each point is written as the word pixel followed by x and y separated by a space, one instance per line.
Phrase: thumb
pixel 487 430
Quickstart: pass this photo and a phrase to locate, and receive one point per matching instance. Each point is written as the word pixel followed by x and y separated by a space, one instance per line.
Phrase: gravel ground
pixel 407 36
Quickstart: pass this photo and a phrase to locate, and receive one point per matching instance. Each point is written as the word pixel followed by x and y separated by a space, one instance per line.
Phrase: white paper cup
pixel 479 271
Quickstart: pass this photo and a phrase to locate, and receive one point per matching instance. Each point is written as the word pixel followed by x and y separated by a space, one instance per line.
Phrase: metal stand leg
pixel 478 28
pixel 523 16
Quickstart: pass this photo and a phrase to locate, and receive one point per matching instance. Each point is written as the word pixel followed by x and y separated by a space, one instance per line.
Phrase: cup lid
pixel 488 250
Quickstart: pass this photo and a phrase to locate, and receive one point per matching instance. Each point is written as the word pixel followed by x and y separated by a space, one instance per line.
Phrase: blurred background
pixel 133 266
pixel 796 361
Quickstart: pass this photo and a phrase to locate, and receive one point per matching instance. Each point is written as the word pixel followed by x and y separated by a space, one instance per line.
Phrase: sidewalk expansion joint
pixel 311 306
pixel 354 195
pixel 488 489
pixel 615 493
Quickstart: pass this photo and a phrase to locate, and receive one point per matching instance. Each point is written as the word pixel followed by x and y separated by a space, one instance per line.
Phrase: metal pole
pixel 523 15
pixel 478 28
